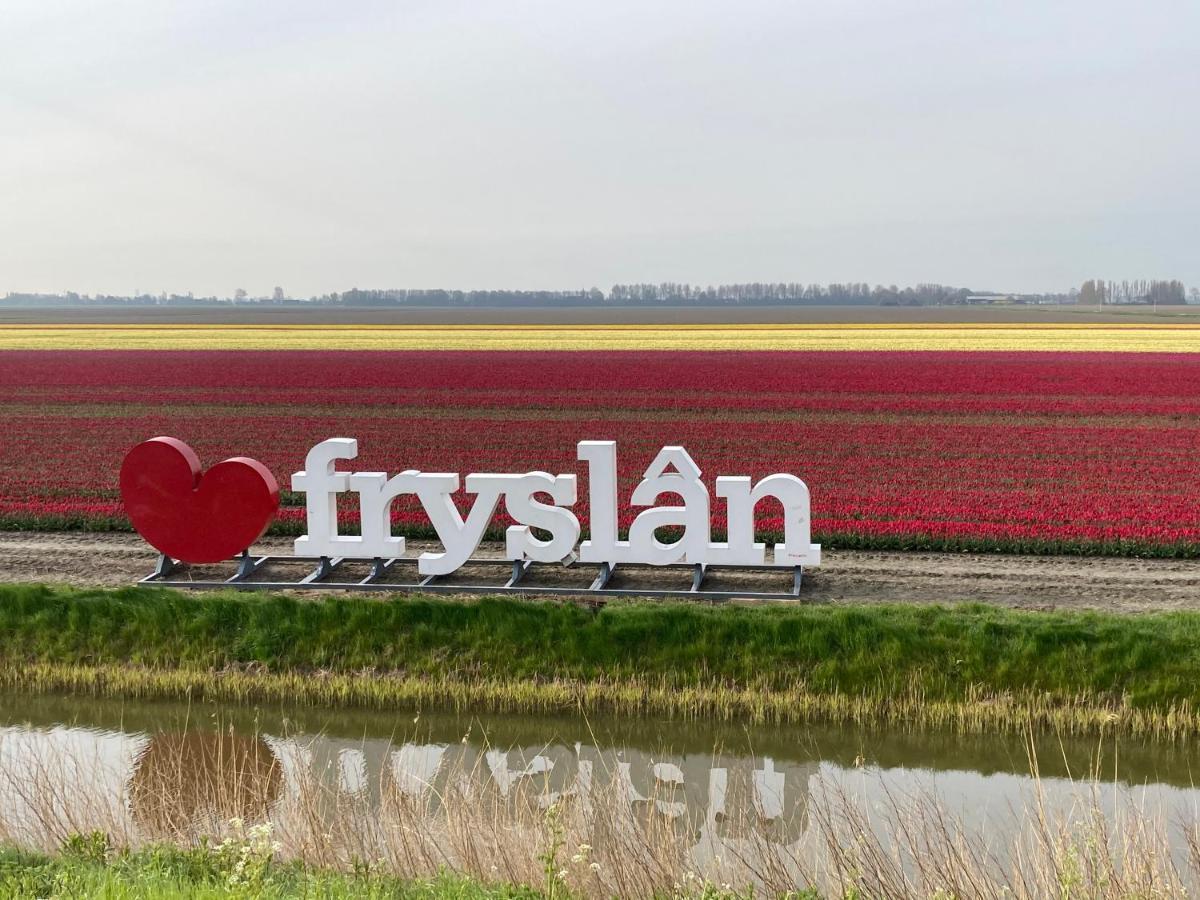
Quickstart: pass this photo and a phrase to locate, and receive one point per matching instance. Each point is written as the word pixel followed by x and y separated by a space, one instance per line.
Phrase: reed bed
pixel 593 841
pixel 979 711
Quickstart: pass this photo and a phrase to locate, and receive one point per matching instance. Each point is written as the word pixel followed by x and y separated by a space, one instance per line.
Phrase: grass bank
pixel 968 666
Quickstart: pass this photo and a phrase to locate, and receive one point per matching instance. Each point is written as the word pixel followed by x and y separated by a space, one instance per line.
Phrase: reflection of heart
pixel 193 517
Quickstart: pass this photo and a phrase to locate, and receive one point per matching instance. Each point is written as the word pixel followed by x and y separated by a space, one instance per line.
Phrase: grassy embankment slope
pixel 969 666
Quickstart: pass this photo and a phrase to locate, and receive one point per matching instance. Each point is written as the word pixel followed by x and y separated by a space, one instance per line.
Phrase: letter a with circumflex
pixel 692 516
pixel 643 546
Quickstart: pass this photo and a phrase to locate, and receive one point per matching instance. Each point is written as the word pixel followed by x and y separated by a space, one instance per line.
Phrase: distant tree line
pixel 404 297
pixel 668 293
pixel 1095 292
pixel 671 293
pixel 785 293
pixel 70 298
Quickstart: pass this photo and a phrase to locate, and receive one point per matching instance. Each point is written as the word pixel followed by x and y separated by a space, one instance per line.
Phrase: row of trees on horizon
pixel 1092 292
pixel 1095 292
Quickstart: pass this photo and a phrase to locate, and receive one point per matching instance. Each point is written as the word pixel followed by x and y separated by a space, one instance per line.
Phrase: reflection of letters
pixel 172 781
pixel 717 796
pixel 415 767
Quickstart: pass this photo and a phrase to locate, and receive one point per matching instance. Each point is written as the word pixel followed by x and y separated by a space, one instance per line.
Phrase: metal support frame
pixel 168 572
pixel 379 568
pixel 165 566
pixel 247 566
pixel 519 568
pixel 323 570
pixel 603 577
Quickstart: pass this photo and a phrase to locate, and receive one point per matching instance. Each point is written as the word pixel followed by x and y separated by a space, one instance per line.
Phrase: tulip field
pixel 1083 452
pixel 809 336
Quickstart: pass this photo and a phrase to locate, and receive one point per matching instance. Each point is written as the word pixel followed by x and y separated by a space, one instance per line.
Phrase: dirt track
pixel 1123 585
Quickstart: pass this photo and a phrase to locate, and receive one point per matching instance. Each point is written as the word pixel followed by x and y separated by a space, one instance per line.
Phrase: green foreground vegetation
pixel 246 869
pixel 86 867
pixel 965 666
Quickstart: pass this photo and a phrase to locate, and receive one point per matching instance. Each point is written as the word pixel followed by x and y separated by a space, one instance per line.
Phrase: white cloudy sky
pixel 205 146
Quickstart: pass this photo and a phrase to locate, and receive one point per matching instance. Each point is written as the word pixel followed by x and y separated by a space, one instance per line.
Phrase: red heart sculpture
pixel 193 516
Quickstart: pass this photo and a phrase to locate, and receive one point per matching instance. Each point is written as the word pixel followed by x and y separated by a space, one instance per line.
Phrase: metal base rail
pixel 323 577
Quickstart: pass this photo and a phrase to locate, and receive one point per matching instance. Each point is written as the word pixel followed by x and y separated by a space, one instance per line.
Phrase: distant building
pixel 977 299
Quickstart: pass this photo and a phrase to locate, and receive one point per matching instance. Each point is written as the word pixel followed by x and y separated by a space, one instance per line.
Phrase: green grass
pixel 245 869
pixel 928 654
pixel 87 868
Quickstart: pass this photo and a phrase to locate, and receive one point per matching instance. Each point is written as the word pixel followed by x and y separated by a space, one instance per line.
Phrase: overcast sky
pixel 205 146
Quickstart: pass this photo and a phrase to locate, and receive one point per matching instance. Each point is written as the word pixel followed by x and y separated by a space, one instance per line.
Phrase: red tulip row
pixel 1018 451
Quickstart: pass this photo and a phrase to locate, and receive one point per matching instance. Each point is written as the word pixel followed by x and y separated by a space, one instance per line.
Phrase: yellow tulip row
pixel 1072 337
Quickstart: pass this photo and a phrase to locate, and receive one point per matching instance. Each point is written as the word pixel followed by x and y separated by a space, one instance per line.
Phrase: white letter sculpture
pixel 672 472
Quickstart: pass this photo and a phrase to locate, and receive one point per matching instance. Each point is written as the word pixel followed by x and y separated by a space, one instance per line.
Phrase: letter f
pixel 321 484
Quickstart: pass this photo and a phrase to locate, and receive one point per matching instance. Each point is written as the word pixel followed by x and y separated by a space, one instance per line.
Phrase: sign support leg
pixel 379 568
pixel 323 570
pixel 520 567
pixel 247 566
pixel 603 576
pixel 165 566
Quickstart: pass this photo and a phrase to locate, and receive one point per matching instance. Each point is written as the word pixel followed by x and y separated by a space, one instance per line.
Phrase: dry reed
pixel 593 840
pixel 980 711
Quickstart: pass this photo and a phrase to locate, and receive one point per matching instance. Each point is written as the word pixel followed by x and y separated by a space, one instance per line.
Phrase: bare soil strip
pixel 1029 582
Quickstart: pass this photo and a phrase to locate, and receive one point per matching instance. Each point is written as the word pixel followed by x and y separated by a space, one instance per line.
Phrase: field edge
pixel 918 542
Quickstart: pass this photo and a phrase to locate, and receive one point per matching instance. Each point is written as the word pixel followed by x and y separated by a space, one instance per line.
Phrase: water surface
pixel 148 765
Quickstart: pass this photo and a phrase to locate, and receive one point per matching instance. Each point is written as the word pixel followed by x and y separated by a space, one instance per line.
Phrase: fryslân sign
pixel 198 517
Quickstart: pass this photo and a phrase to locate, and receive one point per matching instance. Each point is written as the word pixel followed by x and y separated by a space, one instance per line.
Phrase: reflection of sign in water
pixel 57 780
pixel 200 779
pixel 696 794
pixel 166 784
